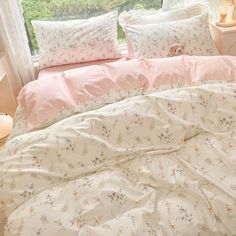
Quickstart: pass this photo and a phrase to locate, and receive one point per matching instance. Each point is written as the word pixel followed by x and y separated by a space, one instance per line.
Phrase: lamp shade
pixel 6 124
pixel 227 13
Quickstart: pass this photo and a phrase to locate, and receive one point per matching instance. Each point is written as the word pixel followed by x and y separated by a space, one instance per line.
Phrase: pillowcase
pixel 144 17
pixel 191 36
pixel 75 41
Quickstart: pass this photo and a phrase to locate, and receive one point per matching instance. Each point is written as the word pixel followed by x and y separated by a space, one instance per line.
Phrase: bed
pixel 144 146
pixel 156 157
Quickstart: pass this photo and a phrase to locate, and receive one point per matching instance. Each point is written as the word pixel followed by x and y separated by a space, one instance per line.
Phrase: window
pixel 74 9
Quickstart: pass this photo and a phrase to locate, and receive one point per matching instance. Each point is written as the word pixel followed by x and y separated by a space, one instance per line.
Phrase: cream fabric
pixel 75 41
pixel 144 17
pixel 2 221
pixel 159 164
pixel 192 36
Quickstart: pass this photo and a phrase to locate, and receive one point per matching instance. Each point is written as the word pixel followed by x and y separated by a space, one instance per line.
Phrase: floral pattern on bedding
pixel 158 164
pixel 75 41
pixel 157 40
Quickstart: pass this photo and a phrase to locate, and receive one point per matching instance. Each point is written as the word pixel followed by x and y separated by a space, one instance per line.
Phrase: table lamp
pixel 227 13
pixel 6 124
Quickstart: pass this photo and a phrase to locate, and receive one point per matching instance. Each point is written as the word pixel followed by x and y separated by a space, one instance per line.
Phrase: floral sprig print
pixel 77 221
pixel 98 161
pixel 165 137
pixel 30 192
pixel 177 171
pixel 118 197
pixel 227 122
pixel 105 131
pixel 137 120
pixel 49 199
pixel 36 161
pixel 171 108
pixel 184 215
pixel 203 101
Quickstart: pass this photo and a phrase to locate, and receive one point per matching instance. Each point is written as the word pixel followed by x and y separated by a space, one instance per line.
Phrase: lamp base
pixel 226 24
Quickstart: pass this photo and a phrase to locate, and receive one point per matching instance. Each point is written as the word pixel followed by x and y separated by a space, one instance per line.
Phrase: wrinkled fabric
pixel 158 164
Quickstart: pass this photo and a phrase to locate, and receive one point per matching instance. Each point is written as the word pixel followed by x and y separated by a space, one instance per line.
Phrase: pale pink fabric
pixel 42 100
pixel 94 81
pixel 46 99
pixel 217 68
pixel 168 71
pixel 56 70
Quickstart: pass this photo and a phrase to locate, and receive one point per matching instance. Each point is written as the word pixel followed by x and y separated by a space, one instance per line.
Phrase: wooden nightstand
pixel 225 39
pixel 7 98
pixel 1 147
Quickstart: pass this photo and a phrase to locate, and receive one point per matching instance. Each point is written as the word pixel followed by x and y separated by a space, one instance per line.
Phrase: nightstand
pixel 7 97
pixel 225 39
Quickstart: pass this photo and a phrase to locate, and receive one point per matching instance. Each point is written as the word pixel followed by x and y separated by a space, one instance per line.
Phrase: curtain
pixel 213 5
pixel 15 42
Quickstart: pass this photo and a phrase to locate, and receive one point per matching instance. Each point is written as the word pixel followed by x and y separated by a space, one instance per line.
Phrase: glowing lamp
pixel 6 124
pixel 227 13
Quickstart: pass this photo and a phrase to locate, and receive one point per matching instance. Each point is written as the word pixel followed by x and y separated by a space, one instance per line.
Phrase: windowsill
pixel 35 58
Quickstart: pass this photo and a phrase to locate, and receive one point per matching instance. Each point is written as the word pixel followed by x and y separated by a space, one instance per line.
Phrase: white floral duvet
pixel 159 164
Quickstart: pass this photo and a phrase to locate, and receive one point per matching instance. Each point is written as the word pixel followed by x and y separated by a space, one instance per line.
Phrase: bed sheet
pixel 57 70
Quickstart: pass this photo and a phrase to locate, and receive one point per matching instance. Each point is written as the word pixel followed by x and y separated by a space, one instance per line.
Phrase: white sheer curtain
pixel 213 5
pixel 15 42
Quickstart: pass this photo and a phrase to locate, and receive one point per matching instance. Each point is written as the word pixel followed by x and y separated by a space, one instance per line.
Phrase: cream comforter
pixel 159 164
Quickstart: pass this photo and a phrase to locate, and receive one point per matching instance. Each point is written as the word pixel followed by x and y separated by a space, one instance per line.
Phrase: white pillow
pixel 143 17
pixel 191 36
pixel 74 41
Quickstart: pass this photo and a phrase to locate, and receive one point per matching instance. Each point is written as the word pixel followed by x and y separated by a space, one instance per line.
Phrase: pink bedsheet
pixel 56 70
pixel 90 87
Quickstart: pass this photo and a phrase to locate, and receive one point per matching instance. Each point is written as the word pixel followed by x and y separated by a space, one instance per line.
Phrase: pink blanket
pixel 88 88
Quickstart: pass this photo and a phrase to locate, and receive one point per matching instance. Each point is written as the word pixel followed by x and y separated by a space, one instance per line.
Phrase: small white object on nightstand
pixel 225 39
pixel 6 124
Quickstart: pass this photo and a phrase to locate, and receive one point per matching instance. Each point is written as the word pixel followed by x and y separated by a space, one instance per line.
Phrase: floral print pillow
pixel 74 41
pixel 145 17
pixel 158 40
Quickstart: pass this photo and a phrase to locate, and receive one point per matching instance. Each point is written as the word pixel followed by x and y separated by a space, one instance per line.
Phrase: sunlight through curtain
pixel 15 42
pixel 213 5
